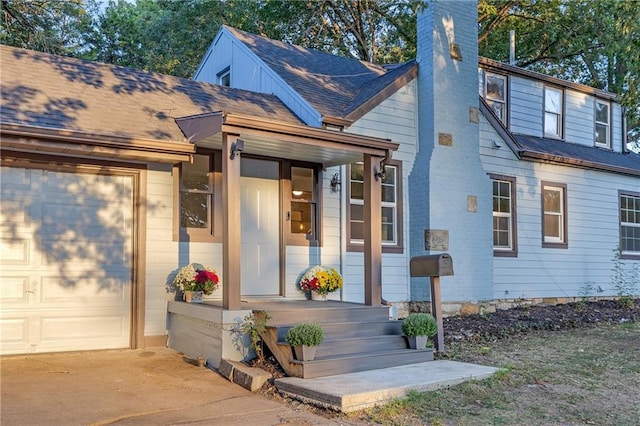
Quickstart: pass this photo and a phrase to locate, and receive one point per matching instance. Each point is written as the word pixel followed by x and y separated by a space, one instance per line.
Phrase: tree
pixel 590 42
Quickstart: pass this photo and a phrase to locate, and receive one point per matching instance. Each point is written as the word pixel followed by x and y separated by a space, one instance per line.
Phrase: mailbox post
pixel 434 266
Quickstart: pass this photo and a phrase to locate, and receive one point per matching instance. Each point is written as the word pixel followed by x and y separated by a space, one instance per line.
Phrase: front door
pixel 260 240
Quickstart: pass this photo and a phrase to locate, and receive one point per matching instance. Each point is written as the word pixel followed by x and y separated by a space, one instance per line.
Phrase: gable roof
pixel 335 86
pixel 44 91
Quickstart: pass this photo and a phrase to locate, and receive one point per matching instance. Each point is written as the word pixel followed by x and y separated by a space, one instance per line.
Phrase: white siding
pixel 165 256
pixel 593 227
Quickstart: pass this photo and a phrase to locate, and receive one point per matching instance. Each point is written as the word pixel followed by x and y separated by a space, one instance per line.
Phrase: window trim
pixel 212 235
pixel 625 255
pixel 485 75
pixel 398 247
pixel 513 251
pixel 222 74
pixel 290 238
pixel 561 114
pixel 609 134
pixel 564 243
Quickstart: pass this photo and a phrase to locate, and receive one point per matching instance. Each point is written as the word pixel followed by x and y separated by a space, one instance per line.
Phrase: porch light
pixel 335 182
pixel 236 148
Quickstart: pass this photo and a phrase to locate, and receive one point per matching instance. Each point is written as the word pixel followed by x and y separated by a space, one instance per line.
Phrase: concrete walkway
pixel 154 386
pixel 355 391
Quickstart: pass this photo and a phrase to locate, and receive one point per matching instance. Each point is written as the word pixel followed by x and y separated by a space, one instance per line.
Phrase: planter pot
pixel 193 296
pixel 305 353
pixel 318 297
pixel 418 342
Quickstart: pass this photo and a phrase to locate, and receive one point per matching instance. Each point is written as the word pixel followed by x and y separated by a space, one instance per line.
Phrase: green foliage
pixel 624 280
pixel 255 326
pixel 305 334
pixel 419 324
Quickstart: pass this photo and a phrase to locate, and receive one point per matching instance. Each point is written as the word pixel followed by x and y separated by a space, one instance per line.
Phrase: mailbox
pixel 434 265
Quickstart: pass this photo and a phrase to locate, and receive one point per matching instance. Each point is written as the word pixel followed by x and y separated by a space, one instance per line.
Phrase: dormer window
pixel 224 77
pixel 553 105
pixel 603 124
pixel 493 88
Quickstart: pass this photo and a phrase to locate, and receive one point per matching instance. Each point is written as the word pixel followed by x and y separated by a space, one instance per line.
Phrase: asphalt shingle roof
pixel 43 90
pixel 571 152
pixel 333 85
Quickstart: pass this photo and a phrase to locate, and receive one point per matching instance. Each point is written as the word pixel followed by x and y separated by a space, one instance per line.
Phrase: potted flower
pixel 304 338
pixel 320 280
pixel 196 280
pixel 418 327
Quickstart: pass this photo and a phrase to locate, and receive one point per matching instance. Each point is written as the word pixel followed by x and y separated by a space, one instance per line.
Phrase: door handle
pixel 288 216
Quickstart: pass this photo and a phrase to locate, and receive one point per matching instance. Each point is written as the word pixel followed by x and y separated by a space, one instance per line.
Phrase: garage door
pixel 66 260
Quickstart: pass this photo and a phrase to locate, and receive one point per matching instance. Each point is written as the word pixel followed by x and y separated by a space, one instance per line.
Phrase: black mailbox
pixel 433 265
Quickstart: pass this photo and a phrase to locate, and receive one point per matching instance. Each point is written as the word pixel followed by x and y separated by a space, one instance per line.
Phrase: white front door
pixel 66 260
pixel 260 240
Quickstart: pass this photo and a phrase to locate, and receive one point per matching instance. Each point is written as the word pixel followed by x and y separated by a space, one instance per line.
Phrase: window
pixel 391 208
pixel 553 104
pixel 602 124
pixel 630 225
pixel 303 213
pixel 504 216
pixel 494 90
pixel 224 77
pixel 554 215
pixel 195 184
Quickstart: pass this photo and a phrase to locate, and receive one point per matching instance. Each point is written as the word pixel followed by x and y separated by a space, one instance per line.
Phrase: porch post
pixel 230 223
pixel 372 232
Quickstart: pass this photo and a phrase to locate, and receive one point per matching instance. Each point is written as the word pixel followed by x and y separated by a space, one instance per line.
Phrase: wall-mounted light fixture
pixel 335 182
pixel 236 148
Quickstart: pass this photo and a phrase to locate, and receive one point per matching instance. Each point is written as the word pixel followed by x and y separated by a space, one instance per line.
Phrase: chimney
pixel 451 195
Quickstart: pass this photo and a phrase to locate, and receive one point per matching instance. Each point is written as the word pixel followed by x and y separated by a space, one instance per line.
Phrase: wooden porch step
pixel 351 329
pixel 329 366
pixel 329 314
pixel 358 345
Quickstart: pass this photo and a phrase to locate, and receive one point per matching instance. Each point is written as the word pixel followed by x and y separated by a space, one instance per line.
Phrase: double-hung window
pixel 495 93
pixel 195 198
pixel 504 216
pixel 553 107
pixel 391 208
pixel 554 215
pixel 603 124
pixel 630 225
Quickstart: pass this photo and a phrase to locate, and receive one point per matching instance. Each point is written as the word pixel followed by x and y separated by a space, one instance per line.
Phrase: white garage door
pixel 66 260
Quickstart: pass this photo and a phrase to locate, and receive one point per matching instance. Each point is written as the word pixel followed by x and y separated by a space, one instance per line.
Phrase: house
pixel 113 178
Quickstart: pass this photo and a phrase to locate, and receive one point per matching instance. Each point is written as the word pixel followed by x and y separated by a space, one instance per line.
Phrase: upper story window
pixel 630 225
pixel 504 216
pixel 494 91
pixel 195 198
pixel 554 215
pixel 603 124
pixel 224 77
pixel 391 208
pixel 553 106
pixel 303 213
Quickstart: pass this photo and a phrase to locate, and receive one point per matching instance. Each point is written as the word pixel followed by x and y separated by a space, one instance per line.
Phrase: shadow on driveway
pixel 150 386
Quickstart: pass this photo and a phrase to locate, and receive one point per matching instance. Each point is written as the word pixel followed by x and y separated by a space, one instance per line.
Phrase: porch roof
pixel 283 140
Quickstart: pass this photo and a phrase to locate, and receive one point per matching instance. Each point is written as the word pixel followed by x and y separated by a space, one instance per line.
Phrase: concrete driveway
pixel 151 386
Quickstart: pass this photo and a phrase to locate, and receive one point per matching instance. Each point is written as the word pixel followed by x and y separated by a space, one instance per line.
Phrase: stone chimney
pixel 451 196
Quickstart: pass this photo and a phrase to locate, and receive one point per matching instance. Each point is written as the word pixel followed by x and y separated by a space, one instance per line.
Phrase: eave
pixel 96 145
pixel 284 140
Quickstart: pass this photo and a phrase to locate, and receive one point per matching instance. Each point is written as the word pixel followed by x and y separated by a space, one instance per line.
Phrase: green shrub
pixel 419 324
pixel 305 334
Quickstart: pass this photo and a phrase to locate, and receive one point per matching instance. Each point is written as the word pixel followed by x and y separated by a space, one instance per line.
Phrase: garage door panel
pixel 14 251
pixel 99 292
pixel 15 289
pixel 66 260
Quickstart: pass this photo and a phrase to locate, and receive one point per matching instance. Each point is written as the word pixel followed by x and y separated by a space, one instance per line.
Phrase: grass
pixel 580 376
